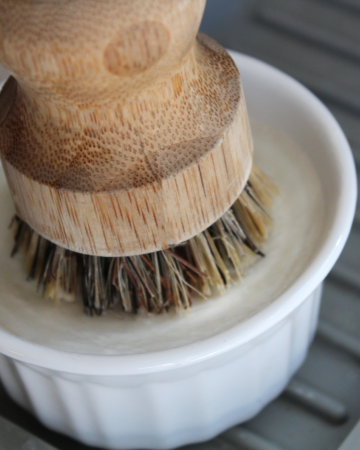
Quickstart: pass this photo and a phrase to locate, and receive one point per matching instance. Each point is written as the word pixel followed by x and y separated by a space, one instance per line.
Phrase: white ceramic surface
pixel 190 393
pixel 298 219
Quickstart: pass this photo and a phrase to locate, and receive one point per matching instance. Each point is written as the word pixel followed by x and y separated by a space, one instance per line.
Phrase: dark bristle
pixel 20 228
pixel 157 281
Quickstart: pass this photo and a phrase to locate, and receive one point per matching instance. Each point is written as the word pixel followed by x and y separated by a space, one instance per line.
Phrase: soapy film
pixel 154 282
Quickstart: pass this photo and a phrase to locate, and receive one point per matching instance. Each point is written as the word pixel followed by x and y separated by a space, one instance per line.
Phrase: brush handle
pixel 123 133
pixel 87 54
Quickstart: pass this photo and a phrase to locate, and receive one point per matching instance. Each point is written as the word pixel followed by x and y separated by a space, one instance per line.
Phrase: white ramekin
pixel 191 393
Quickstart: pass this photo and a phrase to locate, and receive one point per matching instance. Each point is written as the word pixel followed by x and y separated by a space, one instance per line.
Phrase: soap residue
pixel 298 217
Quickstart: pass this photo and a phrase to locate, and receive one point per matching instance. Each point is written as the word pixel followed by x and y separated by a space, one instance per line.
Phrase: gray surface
pixel 12 437
pixel 317 42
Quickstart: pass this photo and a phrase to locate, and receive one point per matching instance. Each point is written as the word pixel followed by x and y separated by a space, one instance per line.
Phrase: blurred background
pixel 318 43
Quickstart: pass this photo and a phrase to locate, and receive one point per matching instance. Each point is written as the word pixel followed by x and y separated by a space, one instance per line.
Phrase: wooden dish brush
pixel 126 145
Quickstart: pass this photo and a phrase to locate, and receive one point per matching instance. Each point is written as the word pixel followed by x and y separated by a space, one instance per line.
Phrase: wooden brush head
pixel 122 130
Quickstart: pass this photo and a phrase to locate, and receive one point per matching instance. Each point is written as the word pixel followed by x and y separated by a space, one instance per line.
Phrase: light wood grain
pixel 126 133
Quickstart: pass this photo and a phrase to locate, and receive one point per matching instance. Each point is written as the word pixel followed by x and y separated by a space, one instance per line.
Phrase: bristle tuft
pixel 155 282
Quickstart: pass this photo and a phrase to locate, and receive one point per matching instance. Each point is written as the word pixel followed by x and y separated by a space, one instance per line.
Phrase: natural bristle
pixel 155 282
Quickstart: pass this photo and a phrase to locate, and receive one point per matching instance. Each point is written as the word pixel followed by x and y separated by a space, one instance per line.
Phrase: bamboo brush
pixel 125 141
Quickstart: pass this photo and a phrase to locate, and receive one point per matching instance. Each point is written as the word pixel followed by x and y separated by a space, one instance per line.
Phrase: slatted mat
pixel 318 43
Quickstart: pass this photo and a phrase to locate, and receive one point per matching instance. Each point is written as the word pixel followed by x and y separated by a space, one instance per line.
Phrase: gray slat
pixel 353 5
pixel 323 23
pixel 315 400
pixel 247 440
pixel 339 338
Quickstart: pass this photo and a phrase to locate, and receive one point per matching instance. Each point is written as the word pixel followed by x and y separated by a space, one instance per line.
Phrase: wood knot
pixel 137 48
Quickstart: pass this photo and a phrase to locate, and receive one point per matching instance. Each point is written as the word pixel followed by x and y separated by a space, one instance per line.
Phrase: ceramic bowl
pixel 190 393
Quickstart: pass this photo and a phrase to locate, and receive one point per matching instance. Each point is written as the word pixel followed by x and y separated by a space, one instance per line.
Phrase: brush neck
pixel 114 105
pixel 87 54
